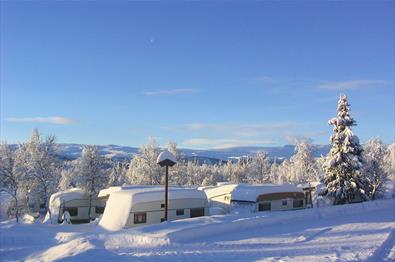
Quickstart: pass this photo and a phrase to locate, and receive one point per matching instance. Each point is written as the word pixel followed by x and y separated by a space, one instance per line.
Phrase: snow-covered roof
pixel 120 202
pixel 107 191
pixel 249 192
pixel 166 155
pixel 67 195
pixel 60 197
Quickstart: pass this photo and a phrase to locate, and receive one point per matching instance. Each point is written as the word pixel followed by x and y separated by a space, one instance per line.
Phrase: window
pixel 99 210
pixel 162 205
pixel 265 206
pixel 285 202
pixel 197 212
pixel 180 212
pixel 298 203
pixel 140 218
pixel 73 211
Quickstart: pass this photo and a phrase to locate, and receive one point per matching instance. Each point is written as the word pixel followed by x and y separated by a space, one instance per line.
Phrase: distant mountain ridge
pixel 73 151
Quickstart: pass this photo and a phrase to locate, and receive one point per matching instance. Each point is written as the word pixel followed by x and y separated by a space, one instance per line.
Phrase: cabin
pixel 76 202
pixel 236 198
pixel 131 206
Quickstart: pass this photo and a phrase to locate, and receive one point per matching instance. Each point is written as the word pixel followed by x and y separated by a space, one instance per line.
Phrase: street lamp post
pixel 166 159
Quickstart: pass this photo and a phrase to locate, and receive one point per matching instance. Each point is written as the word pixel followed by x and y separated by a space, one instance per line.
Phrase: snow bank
pixel 120 202
pixel 60 197
pixel 69 249
pixel 185 230
pixel 247 192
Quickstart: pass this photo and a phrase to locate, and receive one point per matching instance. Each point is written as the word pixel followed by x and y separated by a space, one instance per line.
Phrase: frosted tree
pixel 194 174
pixel 259 168
pixel 320 164
pixel 89 174
pixel 274 172
pixel 344 163
pixel 390 161
pixel 38 164
pixel 390 166
pixel 209 175
pixel 177 172
pixel 143 169
pixel 117 174
pixel 284 171
pixel 10 180
pixel 231 172
pixel 303 164
pixel 375 153
pixel 67 179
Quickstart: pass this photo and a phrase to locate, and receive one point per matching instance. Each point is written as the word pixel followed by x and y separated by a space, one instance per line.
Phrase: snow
pixel 247 192
pixel 363 231
pixel 166 155
pixel 107 191
pixel 120 202
pixel 60 197
pixel 116 212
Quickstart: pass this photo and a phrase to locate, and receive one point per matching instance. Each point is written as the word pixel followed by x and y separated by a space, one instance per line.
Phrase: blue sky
pixel 205 75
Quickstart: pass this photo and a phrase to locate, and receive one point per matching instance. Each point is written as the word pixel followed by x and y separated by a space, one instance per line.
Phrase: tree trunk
pixel 90 207
pixel 16 209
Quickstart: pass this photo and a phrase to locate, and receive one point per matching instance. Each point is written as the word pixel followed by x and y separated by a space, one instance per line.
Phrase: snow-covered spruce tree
pixel 303 164
pixel 375 152
pixel 37 163
pixel 344 163
pixel 89 173
pixel 10 180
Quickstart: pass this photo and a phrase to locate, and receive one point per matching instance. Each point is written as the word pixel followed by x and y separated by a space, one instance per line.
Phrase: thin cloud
pixel 353 84
pixel 241 129
pixel 170 92
pixel 222 143
pixel 55 120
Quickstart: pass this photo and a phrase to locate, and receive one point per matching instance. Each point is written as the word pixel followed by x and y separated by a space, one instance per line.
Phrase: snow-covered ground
pixel 359 232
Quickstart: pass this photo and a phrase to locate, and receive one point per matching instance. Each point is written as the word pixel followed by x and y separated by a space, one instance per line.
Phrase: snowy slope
pixel 354 232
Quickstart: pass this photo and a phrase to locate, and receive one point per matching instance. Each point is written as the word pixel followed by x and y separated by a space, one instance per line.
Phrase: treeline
pixel 33 171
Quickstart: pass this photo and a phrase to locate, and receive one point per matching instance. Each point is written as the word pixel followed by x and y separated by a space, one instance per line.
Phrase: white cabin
pixel 131 206
pixel 231 198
